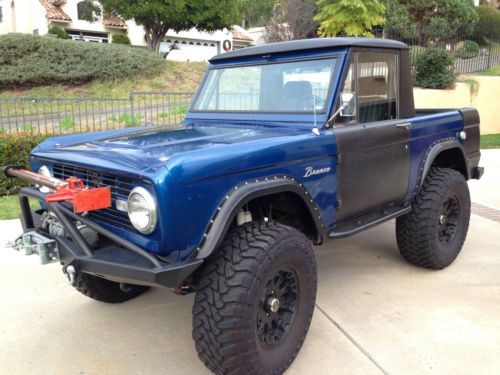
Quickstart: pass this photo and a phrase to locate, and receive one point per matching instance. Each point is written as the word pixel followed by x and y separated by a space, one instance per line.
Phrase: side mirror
pixel 348 107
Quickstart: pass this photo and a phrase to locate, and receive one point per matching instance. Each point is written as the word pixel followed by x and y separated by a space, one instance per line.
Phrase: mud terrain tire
pixel 106 291
pixel 255 300
pixel 433 233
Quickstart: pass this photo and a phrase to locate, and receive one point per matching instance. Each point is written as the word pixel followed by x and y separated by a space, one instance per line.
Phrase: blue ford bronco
pixel 285 146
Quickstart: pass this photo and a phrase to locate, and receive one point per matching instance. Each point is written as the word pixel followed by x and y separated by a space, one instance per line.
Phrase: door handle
pixel 404 125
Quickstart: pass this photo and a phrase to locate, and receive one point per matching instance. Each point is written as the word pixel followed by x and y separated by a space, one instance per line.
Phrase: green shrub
pixel 15 150
pixel 60 33
pixel 434 69
pixel 120 39
pixel 467 50
pixel 29 60
pixel 129 121
pixel 67 123
pixel 487 27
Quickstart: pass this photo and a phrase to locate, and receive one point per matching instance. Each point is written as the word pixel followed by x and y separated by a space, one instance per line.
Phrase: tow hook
pixel 70 274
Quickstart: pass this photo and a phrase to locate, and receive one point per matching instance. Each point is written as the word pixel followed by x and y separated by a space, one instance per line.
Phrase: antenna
pixel 315 129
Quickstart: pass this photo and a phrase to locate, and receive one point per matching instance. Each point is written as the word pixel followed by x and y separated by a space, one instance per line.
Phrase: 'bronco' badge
pixel 310 171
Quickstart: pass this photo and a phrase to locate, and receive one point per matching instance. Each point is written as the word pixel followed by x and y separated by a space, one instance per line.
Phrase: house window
pixel 85 11
pixel 83 36
pixel 1 14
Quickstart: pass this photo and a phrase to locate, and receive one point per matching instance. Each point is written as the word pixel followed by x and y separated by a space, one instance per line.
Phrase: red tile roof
pixel 239 33
pixel 54 12
pixel 113 21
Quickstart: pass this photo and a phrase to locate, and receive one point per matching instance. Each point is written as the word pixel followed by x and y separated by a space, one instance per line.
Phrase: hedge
pixel 434 69
pixel 30 60
pixel 468 50
pixel 120 39
pixel 15 150
pixel 60 33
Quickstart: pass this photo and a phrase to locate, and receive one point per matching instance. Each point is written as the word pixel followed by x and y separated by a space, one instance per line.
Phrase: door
pixel 373 155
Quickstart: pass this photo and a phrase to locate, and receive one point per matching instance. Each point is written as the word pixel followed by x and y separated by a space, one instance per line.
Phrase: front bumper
pixel 121 261
pixel 477 173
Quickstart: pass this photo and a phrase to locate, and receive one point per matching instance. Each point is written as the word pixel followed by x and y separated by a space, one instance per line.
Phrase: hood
pixel 147 149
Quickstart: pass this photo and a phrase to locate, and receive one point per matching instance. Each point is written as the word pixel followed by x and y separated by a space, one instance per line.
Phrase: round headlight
pixel 45 171
pixel 142 210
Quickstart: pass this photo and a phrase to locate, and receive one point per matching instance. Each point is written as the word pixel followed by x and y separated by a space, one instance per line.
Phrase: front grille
pixel 120 189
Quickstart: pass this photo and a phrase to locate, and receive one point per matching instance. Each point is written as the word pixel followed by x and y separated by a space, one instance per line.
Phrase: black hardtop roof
pixel 309 44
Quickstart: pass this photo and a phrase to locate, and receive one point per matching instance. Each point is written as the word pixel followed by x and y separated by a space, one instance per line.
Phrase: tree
pixel 300 16
pixel 397 15
pixel 487 27
pixel 256 12
pixel 444 16
pixel 292 19
pixel 349 17
pixel 159 16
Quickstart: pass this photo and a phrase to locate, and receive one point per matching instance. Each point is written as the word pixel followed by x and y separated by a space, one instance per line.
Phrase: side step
pixel 360 223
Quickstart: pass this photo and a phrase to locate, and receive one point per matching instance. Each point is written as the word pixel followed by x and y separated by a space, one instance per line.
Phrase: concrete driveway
pixel 374 313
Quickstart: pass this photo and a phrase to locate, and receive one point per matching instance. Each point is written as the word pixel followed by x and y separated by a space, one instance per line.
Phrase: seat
pixel 297 95
pixel 373 99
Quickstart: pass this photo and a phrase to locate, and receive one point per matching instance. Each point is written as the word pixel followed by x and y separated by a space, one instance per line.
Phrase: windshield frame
pixel 338 56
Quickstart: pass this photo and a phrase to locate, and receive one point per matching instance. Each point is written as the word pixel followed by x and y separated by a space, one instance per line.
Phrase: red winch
pixel 70 190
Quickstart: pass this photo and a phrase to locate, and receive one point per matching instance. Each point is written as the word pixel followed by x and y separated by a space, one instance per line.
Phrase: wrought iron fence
pixel 77 115
pixel 473 48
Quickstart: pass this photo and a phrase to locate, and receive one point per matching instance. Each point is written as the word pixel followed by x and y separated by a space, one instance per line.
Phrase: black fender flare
pixel 434 150
pixel 242 194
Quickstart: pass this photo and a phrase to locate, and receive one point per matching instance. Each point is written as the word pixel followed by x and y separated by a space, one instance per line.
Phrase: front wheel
pixel 255 301
pixel 106 291
pixel 433 233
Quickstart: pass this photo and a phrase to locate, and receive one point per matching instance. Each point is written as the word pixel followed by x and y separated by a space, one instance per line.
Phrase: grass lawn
pixel 9 207
pixel 493 71
pixel 490 141
pixel 176 77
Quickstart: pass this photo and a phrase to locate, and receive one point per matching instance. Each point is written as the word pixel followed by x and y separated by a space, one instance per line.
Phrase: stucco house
pixel 37 16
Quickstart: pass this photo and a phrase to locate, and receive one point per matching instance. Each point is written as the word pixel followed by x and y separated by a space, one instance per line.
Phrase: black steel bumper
pixel 477 173
pixel 122 261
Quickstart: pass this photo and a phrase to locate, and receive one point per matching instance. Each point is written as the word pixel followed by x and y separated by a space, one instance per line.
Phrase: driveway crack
pixel 353 340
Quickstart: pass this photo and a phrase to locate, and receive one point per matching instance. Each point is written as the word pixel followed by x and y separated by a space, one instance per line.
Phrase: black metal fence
pixel 473 48
pixel 76 115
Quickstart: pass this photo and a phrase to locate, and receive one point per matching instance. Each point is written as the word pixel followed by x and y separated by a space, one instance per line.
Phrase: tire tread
pixel 415 231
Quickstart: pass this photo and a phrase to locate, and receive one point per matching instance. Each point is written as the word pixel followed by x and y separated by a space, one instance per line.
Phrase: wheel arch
pixel 250 191
pixel 445 154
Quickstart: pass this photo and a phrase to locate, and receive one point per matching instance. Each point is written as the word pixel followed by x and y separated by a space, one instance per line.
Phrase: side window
pixel 349 86
pixel 377 86
pixel 373 77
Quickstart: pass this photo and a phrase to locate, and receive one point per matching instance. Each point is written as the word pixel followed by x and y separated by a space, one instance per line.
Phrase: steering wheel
pixel 308 102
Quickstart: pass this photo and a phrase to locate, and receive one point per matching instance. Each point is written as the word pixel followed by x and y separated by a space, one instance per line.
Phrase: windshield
pixel 300 86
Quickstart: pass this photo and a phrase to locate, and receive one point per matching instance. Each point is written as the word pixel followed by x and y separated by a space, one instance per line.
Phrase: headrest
pixel 371 86
pixel 297 89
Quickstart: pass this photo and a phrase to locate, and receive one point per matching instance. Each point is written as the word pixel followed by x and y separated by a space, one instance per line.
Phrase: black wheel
pixel 433 233
pixel 104 290
pixel 255 301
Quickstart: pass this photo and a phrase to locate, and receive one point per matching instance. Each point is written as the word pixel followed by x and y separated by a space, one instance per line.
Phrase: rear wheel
pixel 255 301
pixel 433 233
pixel 104 290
